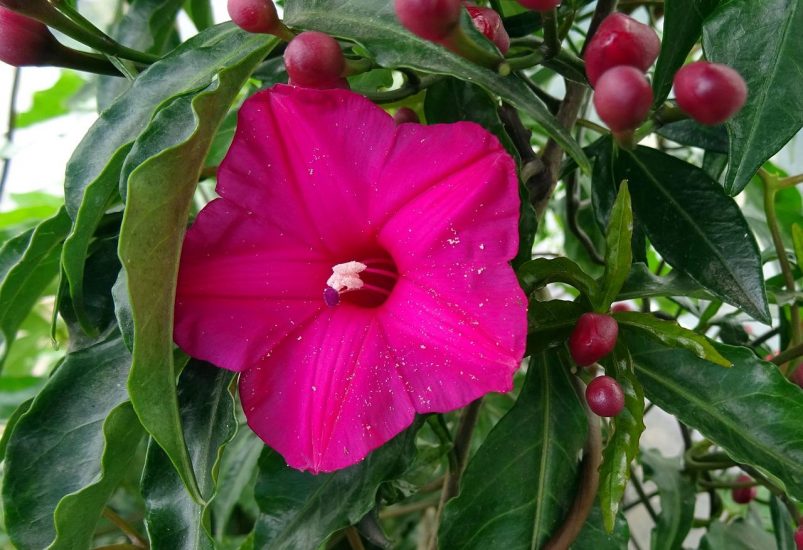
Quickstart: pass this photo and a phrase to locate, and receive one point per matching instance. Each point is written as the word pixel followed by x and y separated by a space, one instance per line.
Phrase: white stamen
pixel 346 276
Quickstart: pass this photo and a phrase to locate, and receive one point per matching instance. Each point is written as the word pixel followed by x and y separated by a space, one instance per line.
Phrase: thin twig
pixel 788 355
pixel 135 538
pixel 766 336
pixel 12 125
pixel 643 495
pixel 354 538
pixel 572 204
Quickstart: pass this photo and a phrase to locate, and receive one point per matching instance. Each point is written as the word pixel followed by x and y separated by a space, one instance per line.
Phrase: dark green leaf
pixel 162 170
pixel 28 264
pixel 782 525
pixel 237 471
pixel 739 535
pixel 16 390
pixel 750 409
pixel 174 520
pixel 301 510
pixel 540 272
pixel 618 255
pixel 623 440
pixel 373 24
pixel 683 23
pixel 145 26
pixel 641 283
pixel 595 537
pixel 761 40
pixel 695 227
pixel 519 484
pixel 11 423
pixel 689 132
pixel 52 102
pixel 677 493
pixel 70 450
pixel 672 334
pixel 550 323
pixel 93 173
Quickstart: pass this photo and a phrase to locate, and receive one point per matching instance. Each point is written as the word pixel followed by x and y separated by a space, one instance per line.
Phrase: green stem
pixel 410 88
pixel 791 181
pixel 84 61
pixel 551 36
pixel 135 538
pixel 789 355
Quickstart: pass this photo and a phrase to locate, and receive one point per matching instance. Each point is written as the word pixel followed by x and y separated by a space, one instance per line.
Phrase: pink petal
pixel 458 340
pixel 326 398
pixel 457 207
pixel 312 157
pixel 243 285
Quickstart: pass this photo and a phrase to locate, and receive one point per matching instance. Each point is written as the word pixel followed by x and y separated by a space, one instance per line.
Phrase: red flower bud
pixel 490 24
pixel 539 5
pixel 25 41
pixel 593 338
pixel 429 19
pixel 622 98
pixel 605 397
pixel 257 16
pixel 620 40
pixel 743 495
pixel 314 60
pixel 709 92
pixel 405 115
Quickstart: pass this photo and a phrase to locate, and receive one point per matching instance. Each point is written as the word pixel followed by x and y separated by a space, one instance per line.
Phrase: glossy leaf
pixel 373 24
pixel 145 26
pixel 782 525
pixel 641 283
pixel 237 472
pixel 738 535
pixel 28 264
pixel 625 430
pixel 683 23
pixel 677 493
pixel 540 272
pixel 69 451
pixel 695 227
pixel 93 173
pixel 595 537
pixel 174 520
pixel 618 254
pixel 550 323
pixel 517 487
pixel 162 171
pixel 301 510
pixel 689 132
pixel 766 52
pixel 672 334
pixel 750 410
pixel 10 424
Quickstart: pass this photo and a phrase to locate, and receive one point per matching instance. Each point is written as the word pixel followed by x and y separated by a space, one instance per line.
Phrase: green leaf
pixel 70 450
pixel 618 254
pixel 677 494
pixel 540 272
pixel 550 323
pixel 643 283
pixel 782 525
pixel 174 520
pixel 16 390
pixel 739 535
pixel 201 13
pixel 696 227
pixel 11 423
pixel 519 484
pixel 146 26
pixel 53 102
pixel 750 410
pixel 373 24
pixel 162 171
pixel 767 54
pixel 623 440
pixel 237 472
pixel 797 241
pixel 93 173
pixel 690 132
pixel 672 334
pixel 301 510
pixel 683 23
pixel 28 264
pixel 594 536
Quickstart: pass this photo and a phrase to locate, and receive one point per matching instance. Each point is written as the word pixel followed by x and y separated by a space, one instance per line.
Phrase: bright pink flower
pixel 429 319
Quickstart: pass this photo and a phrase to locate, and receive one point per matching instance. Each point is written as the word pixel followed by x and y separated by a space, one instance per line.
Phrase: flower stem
pixel 791 181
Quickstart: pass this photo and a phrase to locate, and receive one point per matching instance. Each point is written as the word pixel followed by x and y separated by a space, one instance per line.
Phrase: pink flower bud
pixel 25 41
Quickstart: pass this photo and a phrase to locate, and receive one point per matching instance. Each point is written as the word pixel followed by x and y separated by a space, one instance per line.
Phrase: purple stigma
pixel 331 297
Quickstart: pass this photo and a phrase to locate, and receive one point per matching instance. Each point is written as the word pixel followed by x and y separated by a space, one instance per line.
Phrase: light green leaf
pixel 623 439
pixel 738 535
pixel 540 272
pixel 618 254
pixel 672 334
pixel 782 525
pixel 53 102
pixel 237 472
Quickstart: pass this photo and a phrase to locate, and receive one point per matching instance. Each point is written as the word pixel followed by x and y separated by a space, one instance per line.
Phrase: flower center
pixel 366 282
